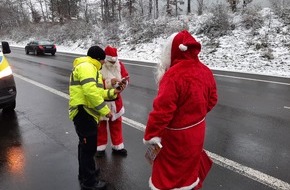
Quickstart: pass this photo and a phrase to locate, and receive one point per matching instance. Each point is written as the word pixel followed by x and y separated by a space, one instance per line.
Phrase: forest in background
pixel 132 22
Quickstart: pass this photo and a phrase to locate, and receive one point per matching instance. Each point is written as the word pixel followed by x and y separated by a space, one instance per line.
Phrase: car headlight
pixel 12 91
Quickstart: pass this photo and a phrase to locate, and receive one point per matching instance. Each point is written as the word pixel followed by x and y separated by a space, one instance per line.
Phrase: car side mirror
pixel 6 48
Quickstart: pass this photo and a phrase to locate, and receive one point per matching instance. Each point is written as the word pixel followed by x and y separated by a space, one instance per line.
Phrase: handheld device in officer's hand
pixel 125 79
pixel 123 82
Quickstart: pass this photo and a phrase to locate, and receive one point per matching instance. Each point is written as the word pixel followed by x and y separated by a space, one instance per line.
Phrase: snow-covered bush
pixel 217 24
pixel 252 19
pixel 112 33
pixel 140 31
pixel 282 9
pixel 72 30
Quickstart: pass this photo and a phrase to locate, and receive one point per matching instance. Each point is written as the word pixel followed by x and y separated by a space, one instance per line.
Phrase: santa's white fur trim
pixel 152 187
pixel 118 114
pixel 104 118
pixel 101 147
pixel 111 58
pixel 154 140
pixel 182 47
pixel 118 147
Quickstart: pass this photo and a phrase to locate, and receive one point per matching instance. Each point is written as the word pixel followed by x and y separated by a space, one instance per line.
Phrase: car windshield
pixel 45 43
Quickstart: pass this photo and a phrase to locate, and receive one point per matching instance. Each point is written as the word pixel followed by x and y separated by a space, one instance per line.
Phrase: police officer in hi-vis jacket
pixel 86 106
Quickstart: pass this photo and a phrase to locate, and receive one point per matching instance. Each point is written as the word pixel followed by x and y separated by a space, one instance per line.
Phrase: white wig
pixel 165 58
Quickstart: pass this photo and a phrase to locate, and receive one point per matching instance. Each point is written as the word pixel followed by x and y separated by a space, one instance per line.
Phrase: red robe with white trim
pixel 110 71
pixel 187 92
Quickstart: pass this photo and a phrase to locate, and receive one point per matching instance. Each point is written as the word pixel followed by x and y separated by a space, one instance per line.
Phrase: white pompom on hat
pixel 111 54
pixel 182 47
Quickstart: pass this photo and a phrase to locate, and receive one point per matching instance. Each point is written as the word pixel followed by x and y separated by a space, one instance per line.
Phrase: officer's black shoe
pixel 121 152
pixel 100 153
pixel 97 172
pixel 99 185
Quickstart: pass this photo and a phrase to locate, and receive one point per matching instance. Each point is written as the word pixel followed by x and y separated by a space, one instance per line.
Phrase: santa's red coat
pixel 187 92
pixel 110 71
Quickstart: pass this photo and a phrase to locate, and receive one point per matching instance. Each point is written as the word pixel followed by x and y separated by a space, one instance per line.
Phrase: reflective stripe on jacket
pixel 86 88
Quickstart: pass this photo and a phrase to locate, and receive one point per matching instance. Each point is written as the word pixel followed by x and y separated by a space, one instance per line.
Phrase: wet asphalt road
pixel 38 146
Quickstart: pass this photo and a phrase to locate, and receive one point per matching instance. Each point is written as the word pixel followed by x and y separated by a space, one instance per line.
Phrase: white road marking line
pixel 250 173
pixel 64 95
pixel 258 176
pixel 286 107
pixel 134 124
pixel 251 79
pixel 140 65
pixel 227 76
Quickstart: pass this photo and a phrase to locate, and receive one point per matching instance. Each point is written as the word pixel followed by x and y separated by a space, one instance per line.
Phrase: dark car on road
pixel 7 83
pixel 40 47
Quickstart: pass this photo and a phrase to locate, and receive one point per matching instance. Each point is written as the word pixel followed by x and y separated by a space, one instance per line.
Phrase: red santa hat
pixel 111 54
pixel 179 46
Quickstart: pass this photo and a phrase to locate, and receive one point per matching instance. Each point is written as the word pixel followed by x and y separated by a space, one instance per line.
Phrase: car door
pixel 34 46
pixel 27 47
pixel 30 47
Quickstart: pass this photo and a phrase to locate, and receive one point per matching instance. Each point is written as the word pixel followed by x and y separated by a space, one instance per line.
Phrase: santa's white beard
pixel 159 73
pixel 110 71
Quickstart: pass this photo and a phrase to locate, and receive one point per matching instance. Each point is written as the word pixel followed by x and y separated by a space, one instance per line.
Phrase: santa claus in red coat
pixel 113 72
pixel 187 92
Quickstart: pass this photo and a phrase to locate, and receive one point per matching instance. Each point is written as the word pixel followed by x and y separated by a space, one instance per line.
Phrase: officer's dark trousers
pixel 86 128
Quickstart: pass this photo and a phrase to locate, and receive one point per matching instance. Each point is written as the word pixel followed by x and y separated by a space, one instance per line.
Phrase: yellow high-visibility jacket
pixel 87 89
